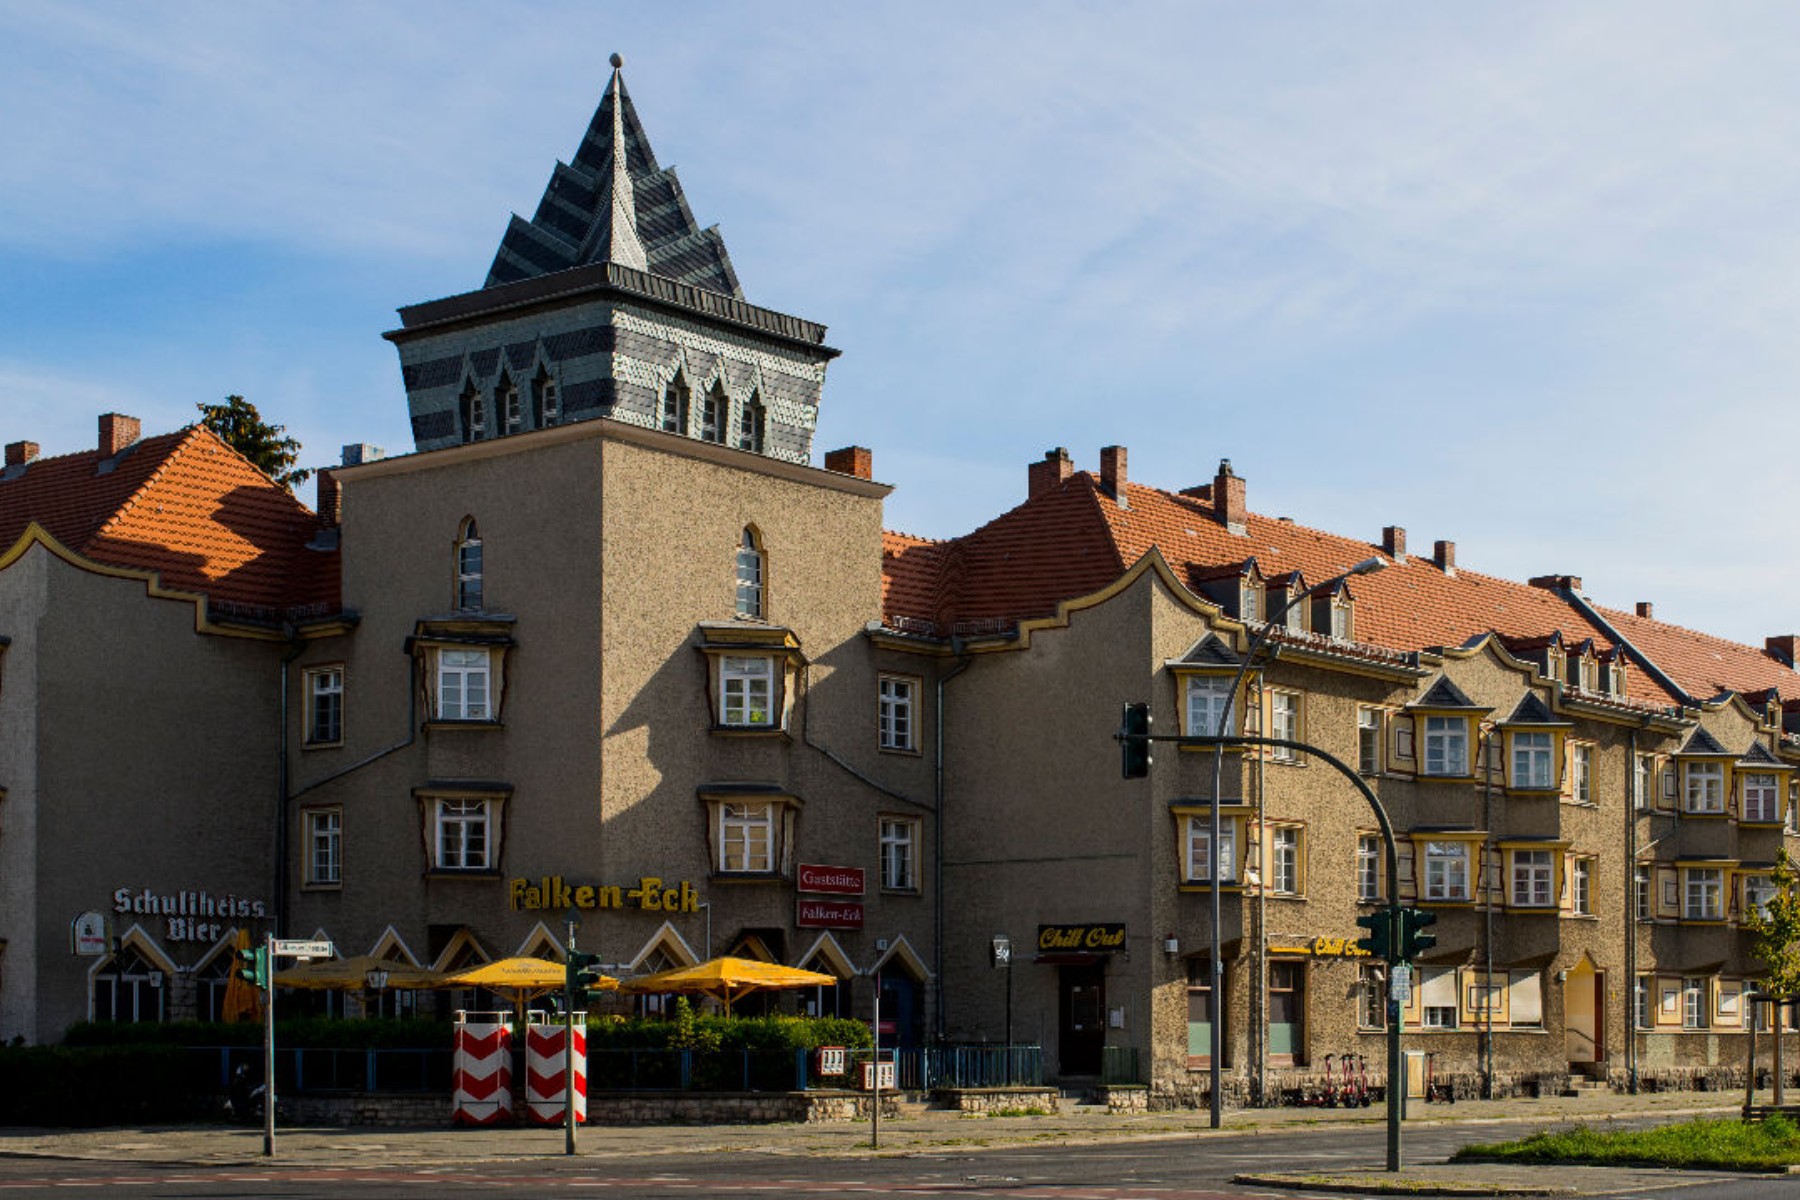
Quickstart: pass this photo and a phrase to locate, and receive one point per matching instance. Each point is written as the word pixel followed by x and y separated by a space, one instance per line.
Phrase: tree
pixel 1774 929
pixel 241 427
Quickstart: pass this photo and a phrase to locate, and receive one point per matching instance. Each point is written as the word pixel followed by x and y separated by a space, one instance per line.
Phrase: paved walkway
pixel 927 1132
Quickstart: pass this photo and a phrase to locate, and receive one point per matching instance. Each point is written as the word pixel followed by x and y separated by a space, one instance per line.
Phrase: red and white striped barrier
pixel 545 1074
pixel 483 1063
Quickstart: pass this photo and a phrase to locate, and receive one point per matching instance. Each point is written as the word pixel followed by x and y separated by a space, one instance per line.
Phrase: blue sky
pixel 1523 276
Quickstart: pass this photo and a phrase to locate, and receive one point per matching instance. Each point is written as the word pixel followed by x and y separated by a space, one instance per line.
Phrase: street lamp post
pixel 1367 566
pixel 571 923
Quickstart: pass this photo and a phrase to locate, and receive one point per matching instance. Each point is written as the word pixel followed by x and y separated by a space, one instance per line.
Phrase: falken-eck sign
pixel 835 881
pixel 828 914
pixel 1087 939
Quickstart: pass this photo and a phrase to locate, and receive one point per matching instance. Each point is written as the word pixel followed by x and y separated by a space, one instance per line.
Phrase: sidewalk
pixel 928 1132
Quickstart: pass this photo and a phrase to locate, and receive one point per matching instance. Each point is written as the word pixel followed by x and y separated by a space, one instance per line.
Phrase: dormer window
pixel 1341 626
pixel 1296 613
pixel 506 401
pixel 546 400
pixel 474 414
pixel 750 575
pixel 675 406
pixel 1447 746
pixel 1249 601
pixel 468 567
pixel 750 425
pixel 1588 676
pixel 713 411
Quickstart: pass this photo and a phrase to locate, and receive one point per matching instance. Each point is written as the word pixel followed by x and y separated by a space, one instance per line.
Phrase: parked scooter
pixel 245 1100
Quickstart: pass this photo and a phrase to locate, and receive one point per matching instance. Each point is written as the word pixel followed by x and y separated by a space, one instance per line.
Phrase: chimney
pixel 1781 649
pixel 1556 583
pixel 20 453
pixel 1444 555
pixel 851 460
pixel 1112 473
pixel 1646 610
pixel 358 453
pixel 1229 498
pixel 117 432
pixel 1393 542
pixel 1042 476
pixel 331 498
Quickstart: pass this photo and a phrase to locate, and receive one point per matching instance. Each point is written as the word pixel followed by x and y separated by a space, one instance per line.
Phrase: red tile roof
pixel 1702 664
pixel 186 506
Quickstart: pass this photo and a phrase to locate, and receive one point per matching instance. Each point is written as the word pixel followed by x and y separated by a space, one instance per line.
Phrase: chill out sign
pixel 1090 939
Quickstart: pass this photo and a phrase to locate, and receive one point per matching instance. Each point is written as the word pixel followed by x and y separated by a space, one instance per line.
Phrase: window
pixel 1646 780
pixel 1446 871
pixel 750 575
pixel 474 413
pixel 1341 627
pixel 899 854
pixel 1199 862
pixel 1589 679
pixel 1693 1003
pixel 1793 811
pixel 462 691
pixel 507 402
pixel 1525 999
pixel 1668 785
pixel 1249 601
pixel 1533 879
pixel 1640 1002
pixel 1437 997
pixel 750 425
pixel 1208 701
pixel 462 838
pixel 1368 741
pixel 897 713
pixel 1705 787
pixel 1640 888
pixel 1705 894
pixel 1758 891
pixel 1531 760
pixel 1284 860
pixel 1403 740
pixel 324 846
pixel 1581 774
pixel 747 690
pixel 1284 722
pixel 1762 802
pixel 128 989
pixel 1368 867
pixel 1295 616
pixel 675 406
pixel 468 567
pixel 1446 746
pixel 548 401
pixel 747 838
pixel 1200 1011
pixel 324 706
pixel 1371 996
pixel 1581 886
pixel 713 411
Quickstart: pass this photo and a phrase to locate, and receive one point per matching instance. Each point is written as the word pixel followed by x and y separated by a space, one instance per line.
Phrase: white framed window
pixel 1762 798
pixel 462 835
pixel 1693 1003
pixel 896 712
pixel 1640 1003
pixel 1581 886
pixel 1446 746
pixel 675 406
pixel 1532 762
pixel 750 571
pixel 468 567
pixel 1793 809
pixel 747 837
pixel 324 706
pixel 1667 776
pixel 1437 997
pixel 1446 871
pixel 464 677
pixel 548 401
pixel 1284 722
pixel 1758 891
pixel 899 854
pixel 1208 700
pixel 1342 626
pixel 1371 996
pixel 1641 894
pixel 750 425
pixel 1581 774
pixel 1533 879
pixel 747 690
pixel 1284 860
pixel 1705 792
pixel 509 404
pixel 714 410
pixel 1199 838
pixel 1705 891
pixel 1250 598
pixel 1645 781
pixel 324 847
pixel 1368 741
pixel 1368 867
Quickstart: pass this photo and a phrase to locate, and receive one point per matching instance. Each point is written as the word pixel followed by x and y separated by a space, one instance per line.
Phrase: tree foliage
pixel 241 427
pixel 1775 930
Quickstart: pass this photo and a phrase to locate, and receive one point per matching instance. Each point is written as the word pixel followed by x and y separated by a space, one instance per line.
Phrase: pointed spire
pixel 616 232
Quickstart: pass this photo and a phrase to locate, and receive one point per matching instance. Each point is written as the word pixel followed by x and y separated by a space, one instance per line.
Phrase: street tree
pixel 241 427
pixel 1774 928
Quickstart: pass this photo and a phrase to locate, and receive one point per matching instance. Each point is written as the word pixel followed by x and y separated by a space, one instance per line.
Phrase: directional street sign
pixel 298 949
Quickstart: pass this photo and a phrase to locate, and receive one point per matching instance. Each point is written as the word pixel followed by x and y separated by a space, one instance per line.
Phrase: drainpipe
pixel 1259 1023
pixel 1632 800
pixel 937 832
pixel 295 647
pixel 1487 917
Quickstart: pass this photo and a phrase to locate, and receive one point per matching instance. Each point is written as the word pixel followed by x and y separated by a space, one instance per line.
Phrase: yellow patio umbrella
pixel 523 977
pixel 727 979
pixel 351 974
pixel 243 999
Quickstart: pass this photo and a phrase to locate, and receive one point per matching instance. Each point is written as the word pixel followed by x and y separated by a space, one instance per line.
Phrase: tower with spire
pixel 611 301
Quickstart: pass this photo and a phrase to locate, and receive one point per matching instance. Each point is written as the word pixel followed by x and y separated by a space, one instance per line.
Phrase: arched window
pixel 750 575
pixel 468 567
pixel 545 400
pixel 714 413
pixel 675 406
pixel 474 414
pixel 750 425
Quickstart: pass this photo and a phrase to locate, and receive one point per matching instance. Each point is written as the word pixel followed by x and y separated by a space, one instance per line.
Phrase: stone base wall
pixel 1123 1097
pixel 427 1110
pixel 983 1101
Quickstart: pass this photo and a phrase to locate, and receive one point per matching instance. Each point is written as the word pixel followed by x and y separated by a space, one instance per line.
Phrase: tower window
pixel 750 425
pixel 468 568
pixel 549 404
pixel 506 401
pixel 713 411
pixel 474 414
pixel 750 576
pixel 675 406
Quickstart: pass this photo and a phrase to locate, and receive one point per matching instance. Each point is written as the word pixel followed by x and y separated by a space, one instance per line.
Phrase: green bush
pixel 302 1033
pixel 103 1085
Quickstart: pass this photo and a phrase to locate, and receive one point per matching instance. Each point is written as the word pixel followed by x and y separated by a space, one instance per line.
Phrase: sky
pixel 1523 276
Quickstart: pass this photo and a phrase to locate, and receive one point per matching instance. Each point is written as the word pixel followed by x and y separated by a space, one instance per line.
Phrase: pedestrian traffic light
pixel 583 975
pixel 253 966
pixel 1413 942
pixel 1134 742
pixel 1377 941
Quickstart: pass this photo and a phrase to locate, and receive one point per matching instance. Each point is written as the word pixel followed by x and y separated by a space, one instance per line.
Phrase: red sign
pixel 836 881
pixel 828 914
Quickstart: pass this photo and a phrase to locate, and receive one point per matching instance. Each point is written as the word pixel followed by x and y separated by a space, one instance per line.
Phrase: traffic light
pixel 1134 742
pixel 1377 941
pixel 253 966
pixel 583 974
pixel 1412 942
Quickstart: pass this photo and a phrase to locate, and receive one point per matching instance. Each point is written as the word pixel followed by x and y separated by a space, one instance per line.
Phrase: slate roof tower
pixel 612 302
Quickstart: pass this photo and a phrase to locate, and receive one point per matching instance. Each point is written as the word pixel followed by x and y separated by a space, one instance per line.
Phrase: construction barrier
pixel 483 1080
pixel 545 1073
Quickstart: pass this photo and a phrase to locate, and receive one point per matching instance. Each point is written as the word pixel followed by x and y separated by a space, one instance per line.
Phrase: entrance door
pixel 1287 1013
pixel 901 1009
pixel 1582 1006
pixel 1081 1019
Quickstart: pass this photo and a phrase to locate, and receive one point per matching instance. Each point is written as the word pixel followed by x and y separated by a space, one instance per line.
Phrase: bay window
pixel 1762 798
pixel 1531 761
pixel 1199 841
pixel 1447 871
pixel 1533 879
pixel 1704 889
pixel 1447 746
pixel 1705 790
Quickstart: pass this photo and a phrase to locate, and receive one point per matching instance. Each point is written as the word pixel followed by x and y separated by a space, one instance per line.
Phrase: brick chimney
pixel 1444 555
pixel 1646 610
pixel 1556 583
pixel 331 499
pixel 851 460
pixel 1055 467
pixel 117 432
pixel 20 453
pixel 1112 473
pixel 1393 542
pixel 1230 498
pixel 1781 649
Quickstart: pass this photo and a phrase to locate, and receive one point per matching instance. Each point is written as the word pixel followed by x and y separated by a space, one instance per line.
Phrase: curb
pixel 1398 1185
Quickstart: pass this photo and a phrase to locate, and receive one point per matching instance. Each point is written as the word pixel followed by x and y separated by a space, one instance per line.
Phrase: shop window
pixel 1369 855
pixel 1208 702
pixel 324 847
pixel 129 989
pixel 895 712
pixel 1368 740
pixel 1762 798
pixel 1287 1013
pixel 464 679
pixel 324 706
pixel 468 567
pixel 1284 722
pixel 1447 746
pixel 1704 889
pixel 675 406
pixel 1199 842
pixel 751 562
pixel 1533 879
pixel 1447 871
pixel 899 854
pixel 1705 790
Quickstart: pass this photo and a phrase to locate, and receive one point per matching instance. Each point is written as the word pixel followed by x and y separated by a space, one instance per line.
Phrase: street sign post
pixel 291 948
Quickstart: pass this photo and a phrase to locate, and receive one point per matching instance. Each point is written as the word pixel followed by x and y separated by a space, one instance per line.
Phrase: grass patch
pixel 1020 1112
pixel 1713 1144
